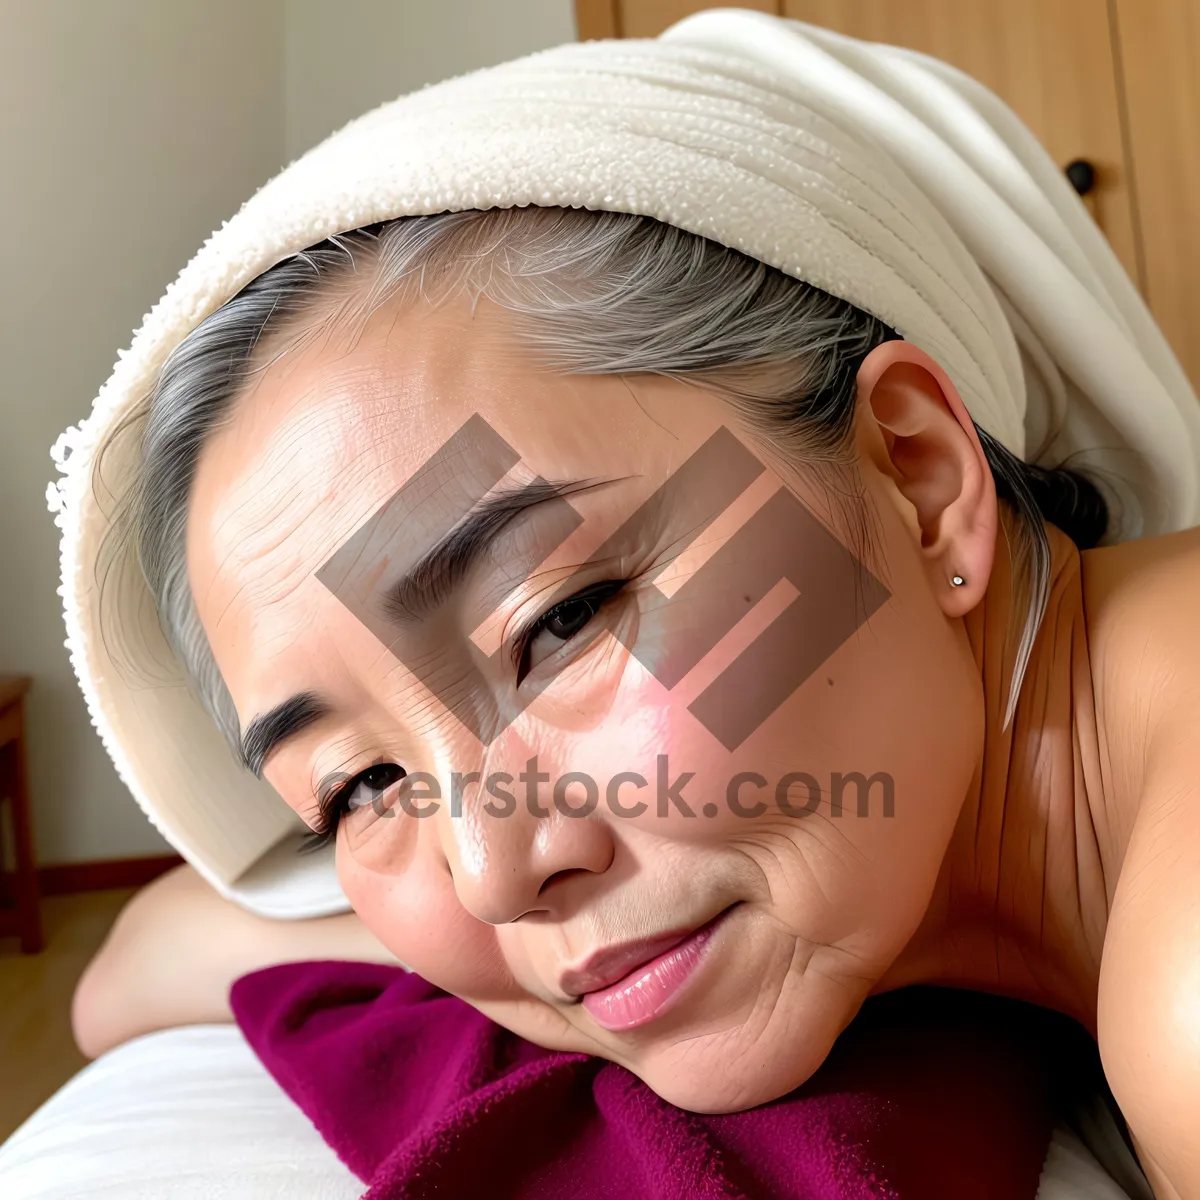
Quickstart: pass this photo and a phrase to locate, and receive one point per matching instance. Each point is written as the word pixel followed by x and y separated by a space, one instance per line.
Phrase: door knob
pixel 1082 175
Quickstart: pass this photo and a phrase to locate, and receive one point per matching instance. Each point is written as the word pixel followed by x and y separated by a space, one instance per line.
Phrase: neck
pixel 1021 902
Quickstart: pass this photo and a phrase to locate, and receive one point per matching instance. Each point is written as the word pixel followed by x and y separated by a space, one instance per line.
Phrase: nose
pixel 513 858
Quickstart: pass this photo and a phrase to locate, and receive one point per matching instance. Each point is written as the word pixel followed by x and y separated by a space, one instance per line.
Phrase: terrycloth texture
pixel 929 1093
pixel 887 178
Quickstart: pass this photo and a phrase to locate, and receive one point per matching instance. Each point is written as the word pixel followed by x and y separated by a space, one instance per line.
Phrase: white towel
pixel 880 175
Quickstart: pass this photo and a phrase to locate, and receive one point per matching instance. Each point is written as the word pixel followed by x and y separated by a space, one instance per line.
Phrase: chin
pixel 702 1081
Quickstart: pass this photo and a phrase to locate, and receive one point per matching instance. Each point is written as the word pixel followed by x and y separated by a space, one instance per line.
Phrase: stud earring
pixel 957 580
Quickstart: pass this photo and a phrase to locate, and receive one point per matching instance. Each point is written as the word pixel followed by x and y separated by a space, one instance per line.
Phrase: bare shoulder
pixel 1150 571
pixel 1142 604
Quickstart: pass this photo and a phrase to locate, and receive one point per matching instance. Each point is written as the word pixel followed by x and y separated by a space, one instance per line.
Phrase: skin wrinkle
pixel 767 1007
pixel 283 536
pixel 969 884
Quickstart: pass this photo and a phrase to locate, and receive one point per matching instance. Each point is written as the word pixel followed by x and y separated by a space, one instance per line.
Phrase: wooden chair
pixel 20 914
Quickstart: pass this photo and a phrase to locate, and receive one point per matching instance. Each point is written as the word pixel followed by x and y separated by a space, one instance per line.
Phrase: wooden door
pixel 1051 60
pixel 648 18
pixel 1160 47
pixel 1113 82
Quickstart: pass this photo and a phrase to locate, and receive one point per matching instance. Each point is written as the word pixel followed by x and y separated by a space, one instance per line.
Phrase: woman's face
pixel 638 594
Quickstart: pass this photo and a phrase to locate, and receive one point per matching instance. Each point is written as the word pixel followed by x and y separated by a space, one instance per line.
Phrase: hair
pixel 592 293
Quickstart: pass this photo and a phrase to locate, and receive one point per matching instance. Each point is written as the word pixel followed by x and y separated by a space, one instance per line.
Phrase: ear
pixel 912 424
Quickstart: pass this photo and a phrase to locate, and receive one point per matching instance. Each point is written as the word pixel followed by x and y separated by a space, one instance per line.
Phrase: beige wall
pixel 374 50
pixel 129 129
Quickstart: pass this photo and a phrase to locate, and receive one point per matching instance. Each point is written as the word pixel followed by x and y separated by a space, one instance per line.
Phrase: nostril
pixel 550 880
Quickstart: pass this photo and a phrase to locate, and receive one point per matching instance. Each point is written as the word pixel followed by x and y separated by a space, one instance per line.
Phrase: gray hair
pixel 591 293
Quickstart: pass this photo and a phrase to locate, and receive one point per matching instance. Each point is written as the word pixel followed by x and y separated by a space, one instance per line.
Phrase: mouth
pixel 625 986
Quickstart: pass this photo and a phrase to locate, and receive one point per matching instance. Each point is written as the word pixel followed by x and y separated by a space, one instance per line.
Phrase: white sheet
pixel 191 1114
pixel 183 1113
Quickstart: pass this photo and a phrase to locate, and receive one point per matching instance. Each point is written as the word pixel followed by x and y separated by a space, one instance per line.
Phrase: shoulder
pixel 1157 573
pixel 1141 601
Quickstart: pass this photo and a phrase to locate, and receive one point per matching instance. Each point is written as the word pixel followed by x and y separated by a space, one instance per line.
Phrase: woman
pixel 664 626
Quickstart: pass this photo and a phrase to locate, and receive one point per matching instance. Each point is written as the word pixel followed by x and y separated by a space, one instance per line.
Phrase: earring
pixel 957 580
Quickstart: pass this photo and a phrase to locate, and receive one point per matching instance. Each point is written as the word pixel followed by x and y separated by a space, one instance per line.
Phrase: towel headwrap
pixel 885 177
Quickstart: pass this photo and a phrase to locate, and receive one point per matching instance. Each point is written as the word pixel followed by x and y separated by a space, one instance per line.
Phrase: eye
pixel 558 625
pixel 367 785
pixel 357 792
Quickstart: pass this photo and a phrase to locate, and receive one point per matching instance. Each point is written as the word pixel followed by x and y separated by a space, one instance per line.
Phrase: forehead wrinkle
pixel 320 449
pixel 262 553
pixel 253 518
pixel 315 443
pixel 263 559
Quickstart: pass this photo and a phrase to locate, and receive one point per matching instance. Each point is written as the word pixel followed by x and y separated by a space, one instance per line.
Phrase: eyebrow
pixel 441 569
pixel 421 589
pixel 269 730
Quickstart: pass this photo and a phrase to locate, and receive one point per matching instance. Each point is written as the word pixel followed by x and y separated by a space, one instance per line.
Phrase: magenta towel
pixel 929 1093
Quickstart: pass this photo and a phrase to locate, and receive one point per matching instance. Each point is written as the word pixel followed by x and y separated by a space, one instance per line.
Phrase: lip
pixel 625 986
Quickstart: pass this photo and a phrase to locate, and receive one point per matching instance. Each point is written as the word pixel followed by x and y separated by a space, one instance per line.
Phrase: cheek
pixel 637 756
pixel 846 796
pixel 887 719
pixel 889 729
pixel 418 917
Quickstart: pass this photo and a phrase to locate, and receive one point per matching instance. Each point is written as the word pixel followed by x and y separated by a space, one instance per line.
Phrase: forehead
pixel 330 430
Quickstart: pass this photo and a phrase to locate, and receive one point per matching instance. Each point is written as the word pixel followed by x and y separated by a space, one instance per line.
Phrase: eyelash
pixel 331 806
pixel 598 592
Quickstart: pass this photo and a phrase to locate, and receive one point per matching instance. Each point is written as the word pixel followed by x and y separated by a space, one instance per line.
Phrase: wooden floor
pixel 37 1053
